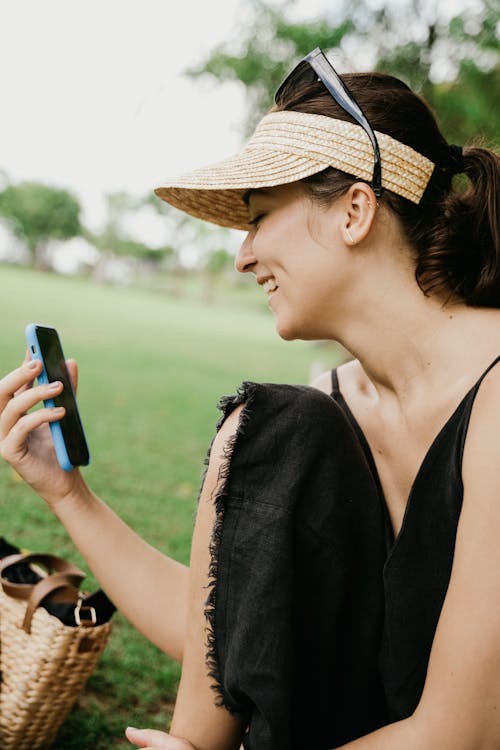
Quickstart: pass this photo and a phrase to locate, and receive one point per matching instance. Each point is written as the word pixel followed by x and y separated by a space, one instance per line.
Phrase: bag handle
pixel 66 581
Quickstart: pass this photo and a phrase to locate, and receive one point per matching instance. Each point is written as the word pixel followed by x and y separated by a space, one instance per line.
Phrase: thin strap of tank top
pixel 335 381
pixel 468 403
pixel 481 378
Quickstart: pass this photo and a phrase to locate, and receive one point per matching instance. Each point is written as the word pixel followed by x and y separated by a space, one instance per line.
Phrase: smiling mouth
pixel 269 286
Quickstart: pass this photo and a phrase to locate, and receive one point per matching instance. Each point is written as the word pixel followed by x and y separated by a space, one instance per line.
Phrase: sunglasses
pixel 327 74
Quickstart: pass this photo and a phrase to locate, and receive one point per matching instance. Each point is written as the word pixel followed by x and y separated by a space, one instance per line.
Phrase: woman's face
pixel 295 251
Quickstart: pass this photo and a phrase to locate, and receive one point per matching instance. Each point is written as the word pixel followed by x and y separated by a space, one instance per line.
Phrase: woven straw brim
pixel 286 147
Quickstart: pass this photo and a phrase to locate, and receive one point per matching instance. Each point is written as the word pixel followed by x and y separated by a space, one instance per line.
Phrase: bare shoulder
pixel 489 390
pixel 323 382
pixel 482 447
pixel 349 374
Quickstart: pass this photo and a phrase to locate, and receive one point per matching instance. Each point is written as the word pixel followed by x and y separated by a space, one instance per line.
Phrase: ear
pixel 360 208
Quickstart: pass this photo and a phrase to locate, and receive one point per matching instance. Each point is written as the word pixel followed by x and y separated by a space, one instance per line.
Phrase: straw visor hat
pixel 288 146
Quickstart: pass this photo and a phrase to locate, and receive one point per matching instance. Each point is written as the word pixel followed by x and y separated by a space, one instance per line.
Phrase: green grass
pixel 152 368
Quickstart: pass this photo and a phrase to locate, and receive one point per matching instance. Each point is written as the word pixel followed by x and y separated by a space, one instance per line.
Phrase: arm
pixel 197 719
pixel 132 572
pixel 459 707
pixel 148 587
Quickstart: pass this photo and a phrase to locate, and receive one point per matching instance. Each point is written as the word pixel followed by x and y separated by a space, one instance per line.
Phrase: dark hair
pixel 453 231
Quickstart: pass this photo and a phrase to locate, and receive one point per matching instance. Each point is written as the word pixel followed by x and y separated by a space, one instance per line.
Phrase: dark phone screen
pixel 55 366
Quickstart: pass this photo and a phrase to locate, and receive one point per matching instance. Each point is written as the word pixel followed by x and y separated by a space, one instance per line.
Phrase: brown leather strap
pixel 62 585
pixel 57 582
pixel 50 562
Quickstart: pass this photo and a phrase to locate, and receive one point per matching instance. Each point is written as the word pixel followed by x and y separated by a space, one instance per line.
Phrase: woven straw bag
pixel 44 663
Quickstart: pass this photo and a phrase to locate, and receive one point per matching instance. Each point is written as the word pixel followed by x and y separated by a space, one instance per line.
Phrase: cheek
pixel 282 238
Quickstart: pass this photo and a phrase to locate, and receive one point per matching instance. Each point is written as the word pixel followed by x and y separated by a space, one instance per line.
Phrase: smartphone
pixel 69 438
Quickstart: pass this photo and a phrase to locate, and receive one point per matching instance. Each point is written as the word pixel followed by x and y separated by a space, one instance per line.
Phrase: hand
pixel 25 439
pixel 152 739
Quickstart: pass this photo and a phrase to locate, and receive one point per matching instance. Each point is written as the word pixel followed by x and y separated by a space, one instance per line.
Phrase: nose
pixel 245 260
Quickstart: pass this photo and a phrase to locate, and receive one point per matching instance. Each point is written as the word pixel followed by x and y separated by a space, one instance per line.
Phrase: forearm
pixel 402 734
pixel 148 587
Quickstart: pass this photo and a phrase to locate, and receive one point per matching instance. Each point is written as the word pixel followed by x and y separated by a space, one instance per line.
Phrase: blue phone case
pixel 55 427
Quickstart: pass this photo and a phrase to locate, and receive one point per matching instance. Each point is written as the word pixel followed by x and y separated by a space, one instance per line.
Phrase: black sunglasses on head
pixel 333 83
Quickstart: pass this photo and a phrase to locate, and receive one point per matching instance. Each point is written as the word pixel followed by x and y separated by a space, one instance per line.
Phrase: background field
pixel 151 371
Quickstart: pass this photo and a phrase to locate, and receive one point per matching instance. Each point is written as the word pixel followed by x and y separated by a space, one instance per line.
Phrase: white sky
pixel 93 98
pixel 92 95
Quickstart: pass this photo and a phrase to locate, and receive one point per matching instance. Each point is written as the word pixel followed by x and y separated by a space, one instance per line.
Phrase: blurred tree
pixel 37 213
pixel 194 237
pixel 217 266
pixel 455 63
pixel 118 204
pixel 113 240
pixel 218 262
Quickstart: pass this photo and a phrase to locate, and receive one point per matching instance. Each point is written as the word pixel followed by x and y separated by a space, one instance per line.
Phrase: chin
pixel 294 332
pixel 291 331
pixel 286 336
pixel 286 331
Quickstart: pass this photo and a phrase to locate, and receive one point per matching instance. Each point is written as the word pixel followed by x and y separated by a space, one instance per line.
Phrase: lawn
pixel 152 368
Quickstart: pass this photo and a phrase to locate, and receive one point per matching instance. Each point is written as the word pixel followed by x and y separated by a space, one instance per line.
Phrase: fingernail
pixel 32 364
pixel 54 386
pixel 137 732
pixel 58 410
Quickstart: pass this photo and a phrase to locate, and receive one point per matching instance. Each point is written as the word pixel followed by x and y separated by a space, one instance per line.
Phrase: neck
pixel 407 342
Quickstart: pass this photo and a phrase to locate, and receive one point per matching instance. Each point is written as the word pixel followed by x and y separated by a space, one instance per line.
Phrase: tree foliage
pixel 37 213
pixel 114 240
pixel 267 45
pixel 454 63
pixel 218 261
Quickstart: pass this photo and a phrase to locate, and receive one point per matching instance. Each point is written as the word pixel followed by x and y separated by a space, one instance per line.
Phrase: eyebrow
pixel 254 191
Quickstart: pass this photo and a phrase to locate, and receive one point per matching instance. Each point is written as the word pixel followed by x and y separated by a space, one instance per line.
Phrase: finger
pixel 136 736
pixel 17 379
pixel 14 445
pixel 147 738
pixel 25 401
pixel 23 388
pixel 27 359
pixel 72 366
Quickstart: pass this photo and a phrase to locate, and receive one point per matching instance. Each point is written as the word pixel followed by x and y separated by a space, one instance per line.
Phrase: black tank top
pixel 320 623
pixel 418 561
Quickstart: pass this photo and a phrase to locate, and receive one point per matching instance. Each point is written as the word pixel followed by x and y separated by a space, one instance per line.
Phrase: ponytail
pixel 483 200
pixel 459 244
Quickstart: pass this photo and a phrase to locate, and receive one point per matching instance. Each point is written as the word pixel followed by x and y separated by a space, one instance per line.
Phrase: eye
pixel 256 220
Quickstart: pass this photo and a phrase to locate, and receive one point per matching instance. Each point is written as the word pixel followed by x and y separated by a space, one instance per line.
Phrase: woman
pixel 342 534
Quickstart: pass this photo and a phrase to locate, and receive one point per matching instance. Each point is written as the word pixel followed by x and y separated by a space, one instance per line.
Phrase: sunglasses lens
pixel 301 74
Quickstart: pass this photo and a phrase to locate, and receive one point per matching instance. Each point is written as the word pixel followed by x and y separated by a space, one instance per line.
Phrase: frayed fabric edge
pixel 244 395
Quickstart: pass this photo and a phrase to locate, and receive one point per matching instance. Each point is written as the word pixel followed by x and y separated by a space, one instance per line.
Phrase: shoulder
pixel 278 425
pixel 482 447
pixel 323 382
pixel 351 378
pixel 270 404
